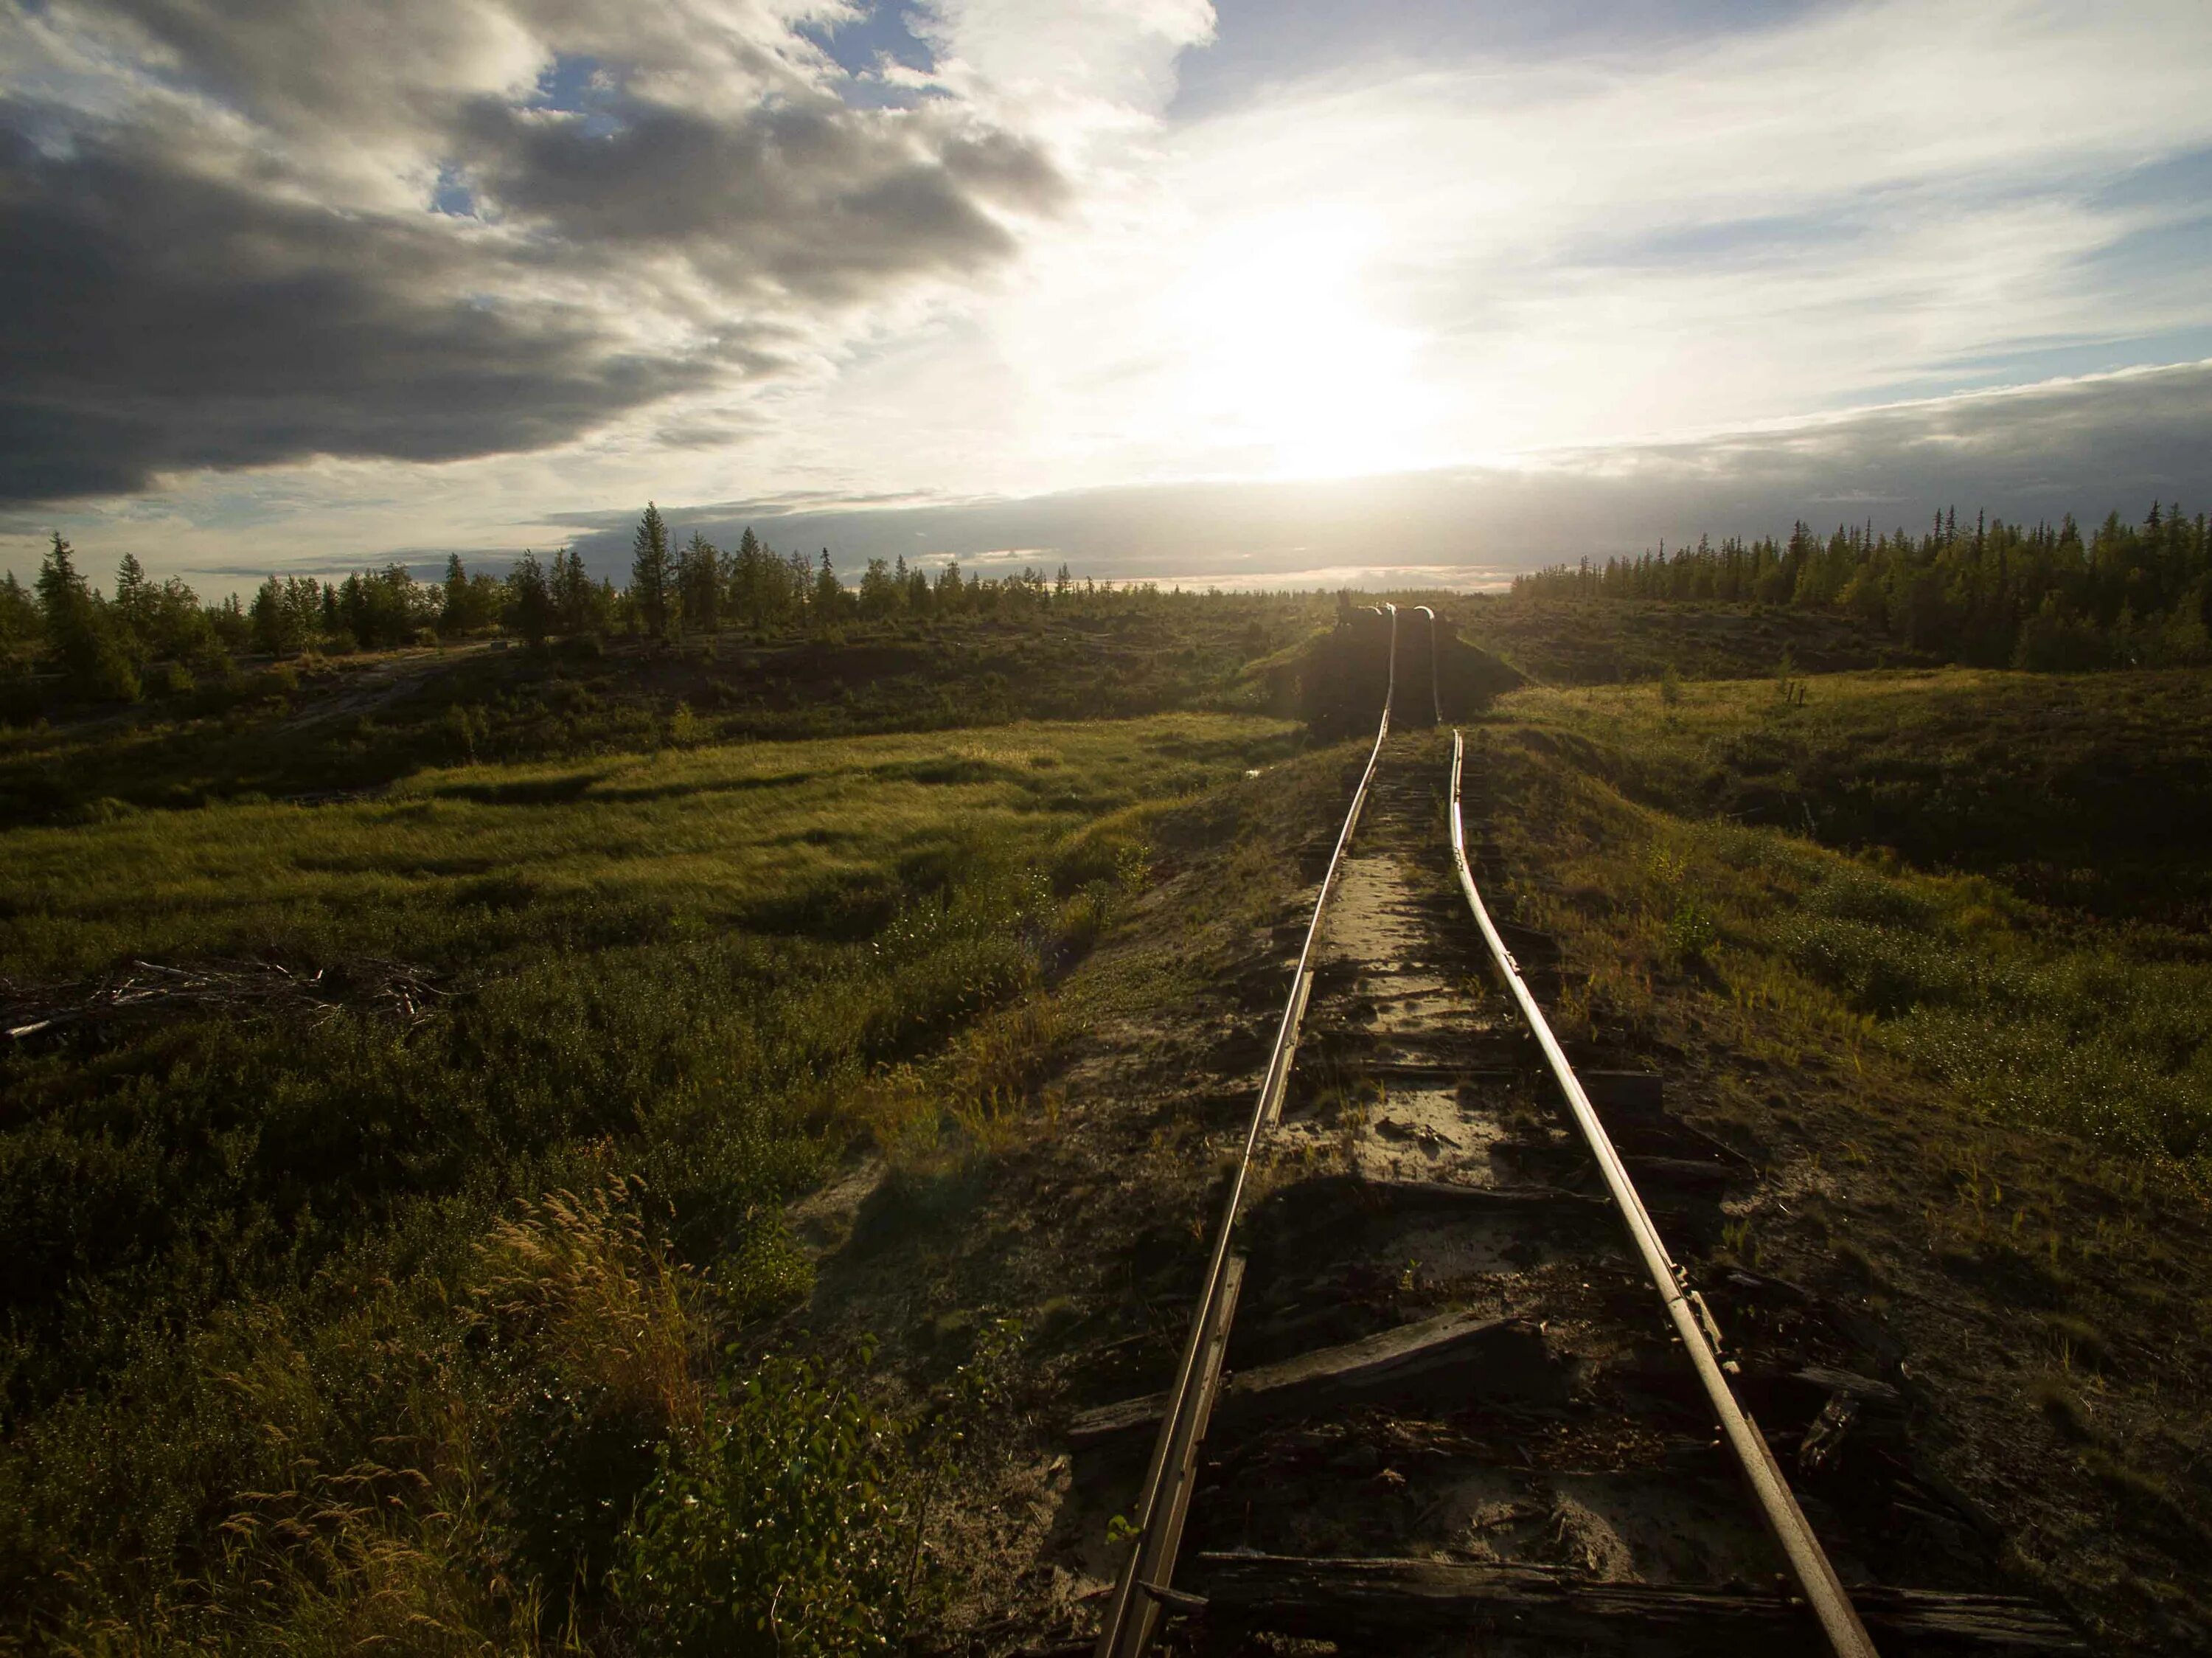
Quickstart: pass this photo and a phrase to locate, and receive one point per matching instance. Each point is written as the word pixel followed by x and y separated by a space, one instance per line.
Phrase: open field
pixel 2026 917
pixel 509 1282
pixel 2084 791
pixel 329 1312
pixel 1562 641
pixel 314 725
pixel 476 865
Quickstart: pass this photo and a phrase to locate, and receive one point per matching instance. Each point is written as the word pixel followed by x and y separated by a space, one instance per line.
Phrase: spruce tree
pixel 699 580
pixel 80 631
pixel 652 574
pixel 62 593
pixel 572 593
pixel 799 588
pixel 453 618
pixel 529 599
pixel 134 597
pixel 749 585
pixel 19 624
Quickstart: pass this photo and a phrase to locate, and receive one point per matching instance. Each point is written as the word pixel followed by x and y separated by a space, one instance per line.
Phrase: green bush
pixel 278 682
pixel 21 702
pixel 1689 931
pixel 786 1531
pixel 262 1276
pixel 171 680
pixel 106 676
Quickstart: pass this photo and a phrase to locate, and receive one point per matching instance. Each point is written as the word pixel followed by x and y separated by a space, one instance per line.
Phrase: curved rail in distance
pixel 1147 1574
pixel 1436 693
pixel 1808 1561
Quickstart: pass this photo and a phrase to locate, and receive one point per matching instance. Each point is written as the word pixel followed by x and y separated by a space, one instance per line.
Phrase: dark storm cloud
pixel 152 320
pixel 239 236
pixel 809 198
pixel 2088 448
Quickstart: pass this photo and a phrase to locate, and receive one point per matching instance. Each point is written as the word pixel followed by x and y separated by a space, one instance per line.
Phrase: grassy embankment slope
pixel 1932 946
pixel 316 725
pixel 361 1322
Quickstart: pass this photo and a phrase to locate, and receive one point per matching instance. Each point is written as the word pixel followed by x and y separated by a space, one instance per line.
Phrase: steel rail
pixel 1436 695
pixel 1147 1575
pixel 1808 1561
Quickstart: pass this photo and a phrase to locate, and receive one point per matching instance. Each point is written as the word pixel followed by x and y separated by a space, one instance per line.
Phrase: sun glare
pixel 1284 360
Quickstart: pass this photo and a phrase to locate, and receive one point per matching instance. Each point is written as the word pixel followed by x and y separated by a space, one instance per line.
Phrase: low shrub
pixel 787 1528
pixel 170 679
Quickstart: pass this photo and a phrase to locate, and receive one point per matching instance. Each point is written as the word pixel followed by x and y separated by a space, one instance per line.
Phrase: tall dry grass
pixel 600 1304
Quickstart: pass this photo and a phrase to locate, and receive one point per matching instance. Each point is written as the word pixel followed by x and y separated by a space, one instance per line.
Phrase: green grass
pixel 1576 642
pixel 463 865
pixel 2085 793
pixel 313 726
pixel 2012 904
pixel 306 1346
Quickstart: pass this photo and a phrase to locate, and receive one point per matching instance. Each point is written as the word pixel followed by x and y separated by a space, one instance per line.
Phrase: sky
pixel 1255 292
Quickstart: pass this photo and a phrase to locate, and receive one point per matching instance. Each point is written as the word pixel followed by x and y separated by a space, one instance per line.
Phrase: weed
pixel 1690 930
pixel 2052 1019
pixel 785 1529
pixel 605 1308
pixel 378 1327
pixel 1737 1241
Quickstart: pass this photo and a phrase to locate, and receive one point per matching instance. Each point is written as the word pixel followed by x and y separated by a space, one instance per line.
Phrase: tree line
pixel 149 637
pixel 1990 594
pixel 700 588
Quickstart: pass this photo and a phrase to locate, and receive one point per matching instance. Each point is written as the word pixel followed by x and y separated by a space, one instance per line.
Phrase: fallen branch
pixel 142 989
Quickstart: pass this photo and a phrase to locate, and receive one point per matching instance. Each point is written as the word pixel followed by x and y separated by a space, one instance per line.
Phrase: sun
pixel 1283 358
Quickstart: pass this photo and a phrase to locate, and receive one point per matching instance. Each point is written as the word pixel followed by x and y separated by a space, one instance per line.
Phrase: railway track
pixel 1443 1385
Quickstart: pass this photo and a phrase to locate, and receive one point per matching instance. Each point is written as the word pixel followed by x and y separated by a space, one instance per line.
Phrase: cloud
pixel 240 236
pixel 461 273
pixel 2088 446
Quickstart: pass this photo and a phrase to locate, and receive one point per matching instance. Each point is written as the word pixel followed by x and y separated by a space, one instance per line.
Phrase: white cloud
pixel 1391 267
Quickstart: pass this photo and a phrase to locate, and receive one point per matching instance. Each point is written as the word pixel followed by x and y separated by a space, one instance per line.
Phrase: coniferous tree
pixel 20 632
pixel 468 604
pixel 80 633
pixel 272 629
pixel 177 629
pixel 227 621
pixel 652 575
pixel 63 596
pixel 529 599
pixel 135 601
pixel 746 594
pixel 829 593
pixel 575 600
pixel 699 578
pixel 880 596
pixel 454 617
pixel 2040 596
pixel 798 589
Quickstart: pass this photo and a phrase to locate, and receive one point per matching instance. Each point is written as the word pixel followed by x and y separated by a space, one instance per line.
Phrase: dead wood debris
pixel 267 988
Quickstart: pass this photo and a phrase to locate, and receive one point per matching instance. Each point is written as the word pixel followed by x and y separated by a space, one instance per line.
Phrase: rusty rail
pixel 1147 1575
pixel 1808 1561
